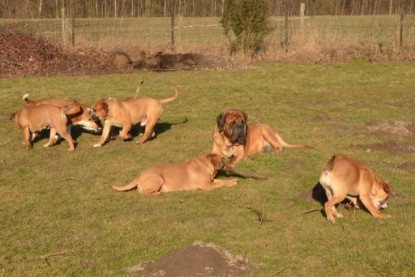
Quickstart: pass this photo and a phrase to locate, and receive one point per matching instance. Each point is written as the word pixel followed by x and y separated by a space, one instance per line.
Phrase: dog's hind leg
pixel 52 138
pixel 62 132
pixel 152 185
pixel 148 132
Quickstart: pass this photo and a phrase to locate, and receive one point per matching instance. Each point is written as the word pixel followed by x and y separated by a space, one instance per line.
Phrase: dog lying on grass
pixel 343 177
pixel 193 174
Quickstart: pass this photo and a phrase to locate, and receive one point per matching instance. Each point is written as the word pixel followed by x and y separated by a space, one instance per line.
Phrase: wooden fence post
pixel 302 10
pixel 401 28
pixel 64 27
pixel 173 11
pixel 73 7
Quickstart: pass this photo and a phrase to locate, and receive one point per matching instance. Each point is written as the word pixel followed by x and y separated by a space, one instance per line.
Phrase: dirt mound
pixel 199 259
pixel 29 55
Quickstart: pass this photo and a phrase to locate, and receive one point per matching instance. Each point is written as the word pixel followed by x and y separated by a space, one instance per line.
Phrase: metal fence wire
pixel 180 30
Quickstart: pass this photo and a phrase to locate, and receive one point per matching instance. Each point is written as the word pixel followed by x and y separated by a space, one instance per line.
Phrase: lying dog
pixel 78 114
pixel 193 174
pixel 33 119
pixel 129 112
pixel 343 177
pixel 235 139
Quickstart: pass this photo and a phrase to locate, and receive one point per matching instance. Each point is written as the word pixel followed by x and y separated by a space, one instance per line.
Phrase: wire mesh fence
pixel 184 32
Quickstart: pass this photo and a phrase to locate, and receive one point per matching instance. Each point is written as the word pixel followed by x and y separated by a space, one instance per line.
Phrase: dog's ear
pixel 385 186
pixel 12 116
pixel 105 106
pixel 216 161
pixel 220 121
pixel 245 116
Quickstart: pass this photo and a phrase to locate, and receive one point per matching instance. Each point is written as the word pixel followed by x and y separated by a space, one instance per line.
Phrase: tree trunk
pixel 115 8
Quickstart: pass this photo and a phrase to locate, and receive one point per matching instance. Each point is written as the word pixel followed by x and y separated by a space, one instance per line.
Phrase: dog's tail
pixel 329 165
pixel 283 143
pixel 127 187
pixel 27 100
pixel 166 100
pixel 70 106
pixel 137 91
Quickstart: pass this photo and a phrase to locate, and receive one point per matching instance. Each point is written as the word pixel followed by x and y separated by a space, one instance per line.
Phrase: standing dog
pixel 343 177
pixel 193 174
pixel 129 112
pixel 77 114
pixel 33 119
pixel 235 139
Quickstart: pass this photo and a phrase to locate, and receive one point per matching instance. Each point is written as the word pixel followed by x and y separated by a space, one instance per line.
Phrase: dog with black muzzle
pixel 235 139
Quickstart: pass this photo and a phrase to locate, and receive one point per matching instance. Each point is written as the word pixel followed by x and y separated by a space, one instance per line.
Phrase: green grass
pixel 53 201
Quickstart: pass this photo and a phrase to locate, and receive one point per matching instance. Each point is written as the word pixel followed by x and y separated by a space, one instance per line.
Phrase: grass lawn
pixel 52 201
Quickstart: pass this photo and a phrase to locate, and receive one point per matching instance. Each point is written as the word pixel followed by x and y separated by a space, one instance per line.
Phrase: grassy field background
pixel 52 201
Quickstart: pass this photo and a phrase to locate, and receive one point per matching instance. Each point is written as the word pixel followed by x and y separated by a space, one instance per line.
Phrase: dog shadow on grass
pixel 138 130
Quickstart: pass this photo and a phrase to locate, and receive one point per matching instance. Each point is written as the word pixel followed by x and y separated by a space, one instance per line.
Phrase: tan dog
pixel 78 114
pixel 33 119
pixel 129 112
pixel 235 139
pixel 343 177
pixel 193 174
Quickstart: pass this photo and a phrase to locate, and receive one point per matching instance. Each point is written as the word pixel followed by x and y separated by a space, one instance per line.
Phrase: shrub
pixel 245 23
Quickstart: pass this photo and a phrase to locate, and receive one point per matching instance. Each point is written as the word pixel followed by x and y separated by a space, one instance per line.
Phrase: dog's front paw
pixel 233 182
pixel 97 145
pixel 339 215
pixel 331 220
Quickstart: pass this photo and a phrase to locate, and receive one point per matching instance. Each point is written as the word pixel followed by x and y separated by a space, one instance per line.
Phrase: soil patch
pixel 391 147
pixel 326 117
pixel 407 166
pixel 199 259
pixel 396 128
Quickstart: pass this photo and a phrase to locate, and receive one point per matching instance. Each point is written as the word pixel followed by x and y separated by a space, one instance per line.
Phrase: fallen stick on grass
pixel 246 174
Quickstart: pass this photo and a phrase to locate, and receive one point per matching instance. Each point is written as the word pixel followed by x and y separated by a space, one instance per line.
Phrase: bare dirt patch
pixel 394 128
pixel 24 54
pixel 398 135
pixel 199 259
pixel 391 147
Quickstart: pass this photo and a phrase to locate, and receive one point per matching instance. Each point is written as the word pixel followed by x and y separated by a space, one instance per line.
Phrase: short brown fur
pixel 193 174
pixel 343 177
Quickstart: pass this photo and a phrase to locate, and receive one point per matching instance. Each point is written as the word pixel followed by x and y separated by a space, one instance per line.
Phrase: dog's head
pixel 380 194
pixel 232 125
pixel 216 160
pixel 99 109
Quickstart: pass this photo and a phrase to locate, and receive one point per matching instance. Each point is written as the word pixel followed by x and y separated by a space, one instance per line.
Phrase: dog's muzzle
pixel 238 135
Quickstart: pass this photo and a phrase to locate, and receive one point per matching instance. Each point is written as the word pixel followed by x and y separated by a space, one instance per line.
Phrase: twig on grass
pixel 59 253
pixel 311 211
pixel 246 174
pixel 275 274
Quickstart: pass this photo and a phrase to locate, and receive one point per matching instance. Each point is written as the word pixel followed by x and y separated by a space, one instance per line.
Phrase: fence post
pixel 302 10
pixel 73 2
pixel 64 37
pixel 401 28
pixel 286 25
pixel 173 40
